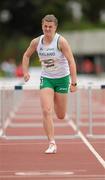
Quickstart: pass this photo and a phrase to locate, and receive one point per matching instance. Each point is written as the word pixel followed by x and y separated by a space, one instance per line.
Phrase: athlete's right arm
pixel 26 57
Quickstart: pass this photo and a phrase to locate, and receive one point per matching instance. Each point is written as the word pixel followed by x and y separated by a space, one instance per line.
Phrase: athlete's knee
pixel 47 111
pixel 62 116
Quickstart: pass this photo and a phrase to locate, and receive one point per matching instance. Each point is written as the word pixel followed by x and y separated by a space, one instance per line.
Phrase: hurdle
pixel 96 102
pixel 86 108
pixel 17 95
pixel 10 100
pixel 81 110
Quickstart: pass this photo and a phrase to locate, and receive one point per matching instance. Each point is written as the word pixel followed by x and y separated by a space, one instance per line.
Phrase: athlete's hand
pixel 73 88
pixel 26 77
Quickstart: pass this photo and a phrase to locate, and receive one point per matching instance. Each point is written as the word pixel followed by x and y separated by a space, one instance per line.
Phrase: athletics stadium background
pixel 81 137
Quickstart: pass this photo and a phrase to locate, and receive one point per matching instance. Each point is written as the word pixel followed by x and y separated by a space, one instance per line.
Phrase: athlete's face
pixel 48 28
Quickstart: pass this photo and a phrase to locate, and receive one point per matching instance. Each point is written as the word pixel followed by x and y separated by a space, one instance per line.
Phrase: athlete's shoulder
pixel 35 41
pixel 61 41
pixel 60 37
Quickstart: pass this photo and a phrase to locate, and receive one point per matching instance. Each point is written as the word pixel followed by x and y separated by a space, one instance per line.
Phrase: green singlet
pixel 60 85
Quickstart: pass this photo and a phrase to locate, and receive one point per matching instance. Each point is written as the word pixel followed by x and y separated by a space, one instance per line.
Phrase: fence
pixel 85 108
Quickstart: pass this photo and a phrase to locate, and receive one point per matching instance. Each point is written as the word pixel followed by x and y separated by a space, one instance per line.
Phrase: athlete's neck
pixel 48 39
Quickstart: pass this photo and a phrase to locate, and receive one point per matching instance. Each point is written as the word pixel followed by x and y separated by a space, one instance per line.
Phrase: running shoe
pixel 51 149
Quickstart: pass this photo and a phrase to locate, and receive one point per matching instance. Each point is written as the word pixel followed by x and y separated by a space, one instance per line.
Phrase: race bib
pixel 50 64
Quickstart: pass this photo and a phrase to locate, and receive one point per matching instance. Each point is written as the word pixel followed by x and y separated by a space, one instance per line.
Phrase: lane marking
pixel 14 172
pixel 65 174
pixel 44 173
pixel 11 143
pixel 86 142
pixel 37 137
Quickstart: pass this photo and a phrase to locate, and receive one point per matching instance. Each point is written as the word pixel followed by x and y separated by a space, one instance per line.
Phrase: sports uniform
pixel 55 68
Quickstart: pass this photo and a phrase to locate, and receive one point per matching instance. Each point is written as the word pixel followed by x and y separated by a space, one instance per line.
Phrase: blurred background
pixel 82 22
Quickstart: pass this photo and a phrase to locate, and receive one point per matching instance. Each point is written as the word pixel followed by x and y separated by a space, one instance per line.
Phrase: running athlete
pixel 58 74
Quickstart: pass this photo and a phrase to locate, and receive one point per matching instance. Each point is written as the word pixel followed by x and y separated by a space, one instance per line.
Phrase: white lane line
pixel 11 143
pixel 37 137
pixel 52 174
pixel 46 173
pixel 86 142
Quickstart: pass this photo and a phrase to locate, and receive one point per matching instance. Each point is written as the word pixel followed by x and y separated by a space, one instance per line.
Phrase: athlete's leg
pixel 60 104
pixel 47 104
pixel 61 96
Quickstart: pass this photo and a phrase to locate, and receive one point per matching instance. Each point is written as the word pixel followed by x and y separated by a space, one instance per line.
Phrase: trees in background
pixel 24 16
pixel 92 9
pixel 20 20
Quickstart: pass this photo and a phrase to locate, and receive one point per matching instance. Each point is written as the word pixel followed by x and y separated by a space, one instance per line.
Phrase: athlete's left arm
pixel 66 50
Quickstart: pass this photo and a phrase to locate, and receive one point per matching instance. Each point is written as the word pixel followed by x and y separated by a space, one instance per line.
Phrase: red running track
pixel 76 159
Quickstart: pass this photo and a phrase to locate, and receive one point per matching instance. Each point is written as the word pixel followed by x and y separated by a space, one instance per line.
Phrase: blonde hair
pixel 50 18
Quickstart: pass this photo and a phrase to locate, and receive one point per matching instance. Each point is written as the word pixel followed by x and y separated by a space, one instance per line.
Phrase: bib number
pixel 49 64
